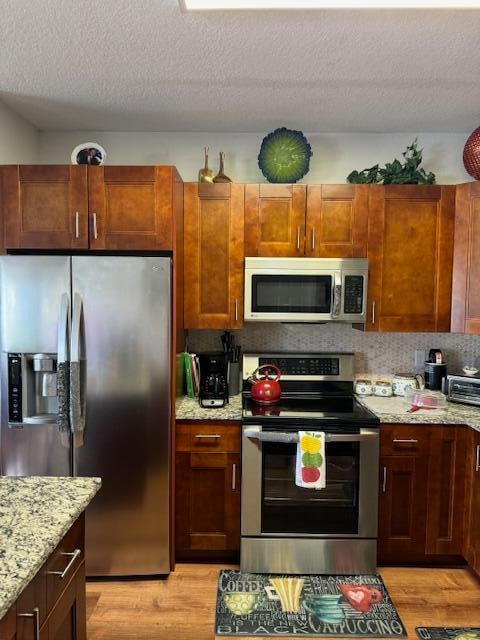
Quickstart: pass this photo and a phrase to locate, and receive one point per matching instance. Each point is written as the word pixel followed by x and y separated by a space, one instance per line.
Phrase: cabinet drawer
pixel 64 561
pixel 404 439
pixel 208 437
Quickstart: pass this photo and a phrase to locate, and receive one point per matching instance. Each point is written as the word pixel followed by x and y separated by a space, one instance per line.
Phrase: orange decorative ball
pixel 471 154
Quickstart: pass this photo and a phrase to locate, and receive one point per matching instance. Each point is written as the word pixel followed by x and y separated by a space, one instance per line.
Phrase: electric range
pixel 291 529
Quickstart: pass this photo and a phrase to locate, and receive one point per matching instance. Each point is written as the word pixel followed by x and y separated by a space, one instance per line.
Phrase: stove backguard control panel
pixel 303 366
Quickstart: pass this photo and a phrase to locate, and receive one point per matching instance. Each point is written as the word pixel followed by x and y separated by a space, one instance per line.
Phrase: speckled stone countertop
pixel 389 410
pixel 35 514
pixel 395 410
pixel 189 409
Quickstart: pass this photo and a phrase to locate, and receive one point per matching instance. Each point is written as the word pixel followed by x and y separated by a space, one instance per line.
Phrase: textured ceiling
pixel 144 65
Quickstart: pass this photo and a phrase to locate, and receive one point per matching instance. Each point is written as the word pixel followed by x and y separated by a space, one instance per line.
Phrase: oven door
pixel 273 505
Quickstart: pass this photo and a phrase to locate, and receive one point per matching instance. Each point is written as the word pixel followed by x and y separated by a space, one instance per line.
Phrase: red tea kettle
pixel 266 389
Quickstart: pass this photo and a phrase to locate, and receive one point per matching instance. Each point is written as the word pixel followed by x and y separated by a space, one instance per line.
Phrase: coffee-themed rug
pixel 448 633
pixel 358 606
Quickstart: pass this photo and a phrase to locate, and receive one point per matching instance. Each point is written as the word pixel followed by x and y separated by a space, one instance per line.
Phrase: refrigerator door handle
pixel 77 396
pixel 63 373
pixel 63 329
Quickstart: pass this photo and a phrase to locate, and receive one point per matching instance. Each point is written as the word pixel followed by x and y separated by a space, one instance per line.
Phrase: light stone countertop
pixel 35 514
pixel 189 409
pixel 392 410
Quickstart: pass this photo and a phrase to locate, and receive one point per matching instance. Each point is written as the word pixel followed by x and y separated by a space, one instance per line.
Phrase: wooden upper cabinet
pixel 337 221
pixel 410 251
pixel 214 252
pixel 130 207
pixel 45 206
pixel 275 219
pixel 466 260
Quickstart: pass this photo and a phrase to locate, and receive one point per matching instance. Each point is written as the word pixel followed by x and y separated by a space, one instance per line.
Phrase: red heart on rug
pixel 361 597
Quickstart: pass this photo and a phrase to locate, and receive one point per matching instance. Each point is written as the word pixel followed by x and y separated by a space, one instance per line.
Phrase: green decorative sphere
pixel 284 155
pixel 312 459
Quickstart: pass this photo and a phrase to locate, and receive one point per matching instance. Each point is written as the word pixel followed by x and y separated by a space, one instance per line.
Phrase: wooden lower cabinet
pixel 422 493
pixel 52 606
pixel 207 491
pixel 472 538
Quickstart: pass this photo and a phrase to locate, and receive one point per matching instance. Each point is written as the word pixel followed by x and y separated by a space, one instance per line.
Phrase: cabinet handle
pixel 298 238
pixel 234 476
pixel 73 556
pixel 236 310
pixel 77 224
pixel 477 461
pixel 373 312
pixel 95 230
pixel 384 484
pixel 206 435
pixel 406 441
pixel 313 238
pixel 36 621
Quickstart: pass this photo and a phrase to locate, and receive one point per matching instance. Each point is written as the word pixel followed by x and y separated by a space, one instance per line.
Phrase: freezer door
pixel 32 289
pixel 125 374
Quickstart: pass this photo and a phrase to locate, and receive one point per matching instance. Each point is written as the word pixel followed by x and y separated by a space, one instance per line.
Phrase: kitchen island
pixel 42 554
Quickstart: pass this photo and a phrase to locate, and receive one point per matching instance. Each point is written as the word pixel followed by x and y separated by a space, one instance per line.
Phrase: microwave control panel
pixel 353 299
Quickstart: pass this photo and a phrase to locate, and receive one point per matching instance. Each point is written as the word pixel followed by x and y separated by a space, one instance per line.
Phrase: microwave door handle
pixel 337 295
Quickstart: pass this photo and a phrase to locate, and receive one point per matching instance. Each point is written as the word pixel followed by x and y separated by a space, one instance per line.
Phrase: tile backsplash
pixel 374 352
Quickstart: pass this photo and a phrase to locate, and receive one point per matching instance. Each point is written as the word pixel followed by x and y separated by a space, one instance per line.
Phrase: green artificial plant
pixel 395 172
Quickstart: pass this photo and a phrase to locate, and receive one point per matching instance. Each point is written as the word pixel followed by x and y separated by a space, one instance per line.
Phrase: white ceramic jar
pixel 403 381
pixel 383 389
pixel 363 387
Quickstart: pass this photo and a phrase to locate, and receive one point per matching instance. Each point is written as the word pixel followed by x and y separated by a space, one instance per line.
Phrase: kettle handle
pixel 256 378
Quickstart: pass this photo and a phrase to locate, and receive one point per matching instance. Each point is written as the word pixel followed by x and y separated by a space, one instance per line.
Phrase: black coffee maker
pixel 213 391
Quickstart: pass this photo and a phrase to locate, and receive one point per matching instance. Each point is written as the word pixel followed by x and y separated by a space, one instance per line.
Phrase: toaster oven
pixel 464 389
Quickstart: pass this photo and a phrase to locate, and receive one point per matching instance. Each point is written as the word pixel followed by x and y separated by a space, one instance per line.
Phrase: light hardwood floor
pixel 182 607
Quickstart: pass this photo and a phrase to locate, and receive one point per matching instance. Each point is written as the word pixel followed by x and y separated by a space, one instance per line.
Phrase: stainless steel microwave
pixel 306 289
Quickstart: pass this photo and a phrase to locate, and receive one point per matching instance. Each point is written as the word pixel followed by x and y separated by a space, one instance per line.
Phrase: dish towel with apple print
pixel 311 467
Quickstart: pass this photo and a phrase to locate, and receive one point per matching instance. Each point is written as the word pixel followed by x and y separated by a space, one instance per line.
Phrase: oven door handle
pixel 256 433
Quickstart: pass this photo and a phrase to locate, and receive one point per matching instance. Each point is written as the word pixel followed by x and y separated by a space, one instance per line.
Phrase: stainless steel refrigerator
pixel 85 372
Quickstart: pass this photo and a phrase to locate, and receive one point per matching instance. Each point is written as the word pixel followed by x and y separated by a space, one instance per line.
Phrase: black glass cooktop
pixel 320 409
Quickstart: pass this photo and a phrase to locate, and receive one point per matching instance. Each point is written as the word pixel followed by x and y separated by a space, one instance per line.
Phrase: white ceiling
pixel 143 65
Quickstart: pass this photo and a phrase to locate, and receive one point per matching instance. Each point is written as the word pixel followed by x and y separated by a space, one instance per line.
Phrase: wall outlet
pixel 420 357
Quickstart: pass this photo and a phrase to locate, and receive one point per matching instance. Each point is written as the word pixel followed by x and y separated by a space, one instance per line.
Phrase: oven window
pixel 287 508
pixel 291 293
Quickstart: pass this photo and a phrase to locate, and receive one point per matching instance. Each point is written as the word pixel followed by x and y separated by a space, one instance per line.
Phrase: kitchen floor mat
pixel 356 606
pixel 448 633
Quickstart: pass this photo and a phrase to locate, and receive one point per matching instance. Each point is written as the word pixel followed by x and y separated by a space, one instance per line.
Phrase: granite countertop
pixel 394 410
pixel 35 514
pixel 189 409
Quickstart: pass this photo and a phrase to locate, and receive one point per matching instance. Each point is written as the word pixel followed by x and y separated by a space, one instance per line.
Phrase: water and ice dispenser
pixel 32 388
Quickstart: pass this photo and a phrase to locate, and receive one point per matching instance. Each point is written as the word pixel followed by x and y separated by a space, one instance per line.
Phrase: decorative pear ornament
pixel 205 174
pixel 221 177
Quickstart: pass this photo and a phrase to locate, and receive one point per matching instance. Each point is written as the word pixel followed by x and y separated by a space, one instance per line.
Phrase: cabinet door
pixel 337 221
pixel 275 219
pixel 130 208
pixel 8 625
pixel 213 249
pixel 446 490
pixel 67 620
pixel 466 260
pixel 410 249
pixel 403 493
pixel 473 535
pixel 211 479
pixel 45 207
pixel 34 596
